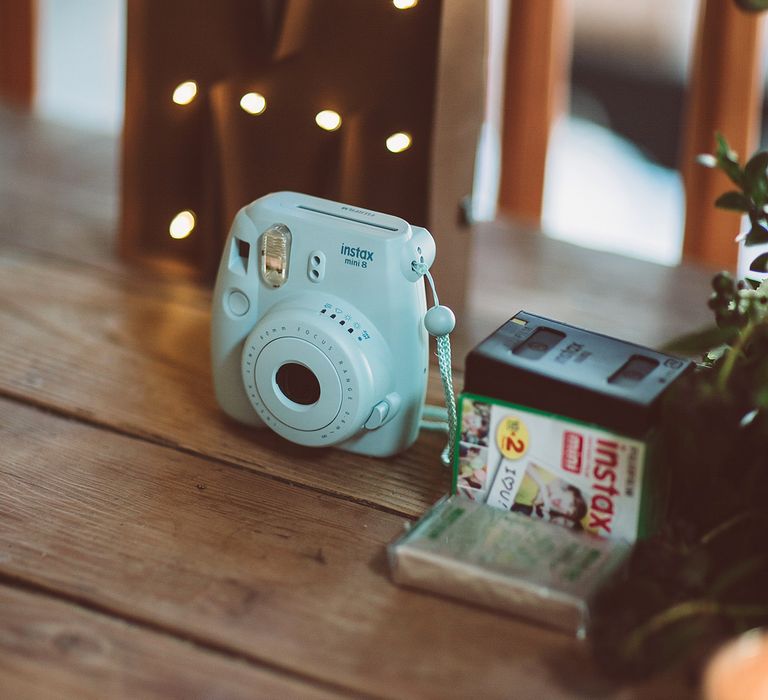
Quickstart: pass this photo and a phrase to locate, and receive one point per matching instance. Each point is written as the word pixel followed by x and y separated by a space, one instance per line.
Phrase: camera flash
pixel 185 92
pixel 405 4
pixel 275 254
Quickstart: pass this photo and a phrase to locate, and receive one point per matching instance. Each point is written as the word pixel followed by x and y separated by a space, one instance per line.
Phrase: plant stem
pixel 728 524
pixel 686 609
pixel 732 355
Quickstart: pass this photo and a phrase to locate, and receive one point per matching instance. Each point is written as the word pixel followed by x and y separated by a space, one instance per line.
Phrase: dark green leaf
pixel 757 234
pixel 701 341
pixel 732 170
pixel 752 283
pixel 733 200
pixel 760 263
pixel 723 148
pixel 727 160
pixel 755 180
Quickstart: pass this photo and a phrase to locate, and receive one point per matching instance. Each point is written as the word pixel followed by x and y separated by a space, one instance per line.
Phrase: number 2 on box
pixel 512 437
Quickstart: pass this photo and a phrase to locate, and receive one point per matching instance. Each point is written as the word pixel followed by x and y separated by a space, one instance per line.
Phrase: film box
pixel 506 561
pixel 557 423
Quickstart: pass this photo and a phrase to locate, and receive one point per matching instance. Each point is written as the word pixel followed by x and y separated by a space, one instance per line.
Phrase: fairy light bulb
pixel 328 120
pixel 253 103
pixel 185 92
pixel 405 4
pixel 182 224
pixel 399 142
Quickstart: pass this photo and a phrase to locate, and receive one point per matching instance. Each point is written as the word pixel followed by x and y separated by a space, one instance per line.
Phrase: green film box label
pixel 552 468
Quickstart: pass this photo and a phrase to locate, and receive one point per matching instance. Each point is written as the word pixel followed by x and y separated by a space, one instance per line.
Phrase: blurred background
pixel 614 146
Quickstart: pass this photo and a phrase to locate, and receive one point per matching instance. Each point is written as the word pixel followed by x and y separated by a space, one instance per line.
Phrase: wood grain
pixel 126 495
pixel 228 558
pixel 642 302
pixel 51 648
pixel 129 356
pixel 132 353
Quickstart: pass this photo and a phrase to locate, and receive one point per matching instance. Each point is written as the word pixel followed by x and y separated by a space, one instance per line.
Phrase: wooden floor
pixel 149 547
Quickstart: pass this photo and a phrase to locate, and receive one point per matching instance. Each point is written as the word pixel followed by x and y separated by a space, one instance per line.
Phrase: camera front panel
pixel 308 378
pixel 338 259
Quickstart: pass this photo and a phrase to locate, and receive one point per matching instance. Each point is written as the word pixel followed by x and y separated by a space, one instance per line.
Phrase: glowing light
pixel 328 120
pixel 185 92
pixel 253 103
pixel 405 4
pixel 399 142
pixel 182 224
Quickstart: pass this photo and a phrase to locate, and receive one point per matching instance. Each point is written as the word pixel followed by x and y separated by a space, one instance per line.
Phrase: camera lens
pixel 298 383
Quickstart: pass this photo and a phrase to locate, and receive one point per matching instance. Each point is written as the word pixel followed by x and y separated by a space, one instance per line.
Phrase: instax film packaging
pixel 557 423
pixel 505 561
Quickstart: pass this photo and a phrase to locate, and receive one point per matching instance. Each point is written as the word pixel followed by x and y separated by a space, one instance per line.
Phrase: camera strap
pixel 439 322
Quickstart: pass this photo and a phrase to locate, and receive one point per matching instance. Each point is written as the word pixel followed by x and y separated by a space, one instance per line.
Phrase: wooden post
pixel 18 19
pixel 459 99
pixel 726 95
pixel 537 65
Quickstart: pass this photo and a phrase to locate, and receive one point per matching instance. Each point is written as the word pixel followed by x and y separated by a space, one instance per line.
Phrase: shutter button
pixel 378 415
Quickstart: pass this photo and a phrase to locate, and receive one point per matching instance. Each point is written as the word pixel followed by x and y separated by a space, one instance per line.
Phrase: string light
pixel 185 92
pixel 328 120
pixel 182 224
pixel 405 4
pixel 399 142
pixel 253 103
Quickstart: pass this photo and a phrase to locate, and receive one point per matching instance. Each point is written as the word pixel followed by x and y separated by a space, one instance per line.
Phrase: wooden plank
pixel 57 189
pixel 228 558
pixel 635 300
pixel 58 202
pixel 52 648
pixel 535 86
pixel 134 356
pixel 18 20
pixel 132 353
pixel 726 95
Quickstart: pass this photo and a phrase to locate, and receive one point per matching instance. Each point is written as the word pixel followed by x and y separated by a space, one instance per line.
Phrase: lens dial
pixel 309 379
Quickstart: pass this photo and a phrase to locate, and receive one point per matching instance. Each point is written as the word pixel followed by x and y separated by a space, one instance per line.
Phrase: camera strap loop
pixel 439 322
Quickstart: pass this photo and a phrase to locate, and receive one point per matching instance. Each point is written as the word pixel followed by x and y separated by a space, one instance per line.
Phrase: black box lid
pixel 554 367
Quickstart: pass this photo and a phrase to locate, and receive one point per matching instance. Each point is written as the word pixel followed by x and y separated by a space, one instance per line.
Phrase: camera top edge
pixel 293 208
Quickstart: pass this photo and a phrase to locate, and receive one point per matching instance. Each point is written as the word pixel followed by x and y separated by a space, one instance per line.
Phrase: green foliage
pixel 757 235
pixel 760 263
pixel 751 197
pixel 704 577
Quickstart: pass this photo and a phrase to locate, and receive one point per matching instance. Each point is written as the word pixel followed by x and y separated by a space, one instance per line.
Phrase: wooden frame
pixel 18 20
pixel 537 65
pixel 726 95
pixel 418 70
